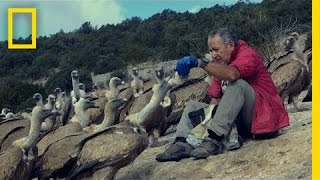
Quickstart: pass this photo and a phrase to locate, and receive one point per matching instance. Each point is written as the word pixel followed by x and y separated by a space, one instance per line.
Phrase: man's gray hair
pixel 226 35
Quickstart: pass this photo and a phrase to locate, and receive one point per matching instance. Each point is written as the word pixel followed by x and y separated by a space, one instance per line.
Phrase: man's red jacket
pixel 269 113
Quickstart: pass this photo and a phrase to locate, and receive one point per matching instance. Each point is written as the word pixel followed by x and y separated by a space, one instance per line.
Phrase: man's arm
pixel 215 101
pixel 221 71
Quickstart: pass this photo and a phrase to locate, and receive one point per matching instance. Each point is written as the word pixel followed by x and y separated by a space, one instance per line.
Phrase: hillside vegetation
pixel 164 36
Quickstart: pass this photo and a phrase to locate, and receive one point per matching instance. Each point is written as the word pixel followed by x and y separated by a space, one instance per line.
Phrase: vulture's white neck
pixel 76 90
pixel 81 117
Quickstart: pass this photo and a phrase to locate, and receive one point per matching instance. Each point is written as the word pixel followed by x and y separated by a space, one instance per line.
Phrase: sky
pixel 68 15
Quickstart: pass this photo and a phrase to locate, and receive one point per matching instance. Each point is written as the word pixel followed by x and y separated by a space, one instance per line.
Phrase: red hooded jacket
pixel 269 113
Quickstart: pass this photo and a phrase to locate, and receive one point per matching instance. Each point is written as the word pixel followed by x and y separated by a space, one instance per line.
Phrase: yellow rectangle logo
pixel 33 12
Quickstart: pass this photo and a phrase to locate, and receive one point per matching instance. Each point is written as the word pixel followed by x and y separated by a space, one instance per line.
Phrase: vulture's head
pixel 51 99
pixel 159 73
pixel 135 71
pixel 37 97
pixel 74 74
pixel 290 41
pixel 115 82
pixel 57 91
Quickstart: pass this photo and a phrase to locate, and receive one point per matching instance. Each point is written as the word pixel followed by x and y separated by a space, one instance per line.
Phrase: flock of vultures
pixel 94 134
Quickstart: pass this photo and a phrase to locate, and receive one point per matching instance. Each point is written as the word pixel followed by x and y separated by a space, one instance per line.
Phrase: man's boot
pixel 175 152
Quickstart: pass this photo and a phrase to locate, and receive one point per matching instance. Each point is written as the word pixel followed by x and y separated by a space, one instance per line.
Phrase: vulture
pixel 4 112
pixel 110 112
pixel 114 146
pixel 17 127
pixel 113 91
pixel 105 152
pixel 293 76
pixel 150 118
pixel 81 116
pixel 59 100
pixel 78 122
pixel 96 115
pixel 63 105
pixel 75 93
pixel 49 122
pixel 17 162
pixel 136 83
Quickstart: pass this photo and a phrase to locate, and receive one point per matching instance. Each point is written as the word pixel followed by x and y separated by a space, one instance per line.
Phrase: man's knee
pixel 239 83
pixel 193 106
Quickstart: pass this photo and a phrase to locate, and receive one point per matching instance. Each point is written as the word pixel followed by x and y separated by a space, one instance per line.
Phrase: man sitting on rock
pixel 250 98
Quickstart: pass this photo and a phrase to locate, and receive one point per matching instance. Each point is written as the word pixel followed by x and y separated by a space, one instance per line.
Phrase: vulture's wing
pixel 286 75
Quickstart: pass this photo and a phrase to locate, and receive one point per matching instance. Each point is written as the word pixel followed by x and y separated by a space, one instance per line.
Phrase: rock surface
pixel 287 156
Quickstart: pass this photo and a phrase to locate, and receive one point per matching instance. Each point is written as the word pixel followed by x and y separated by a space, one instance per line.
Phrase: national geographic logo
pixel 33 12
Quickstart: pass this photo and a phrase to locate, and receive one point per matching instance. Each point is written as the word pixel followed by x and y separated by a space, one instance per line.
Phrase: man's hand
pixel 185 64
